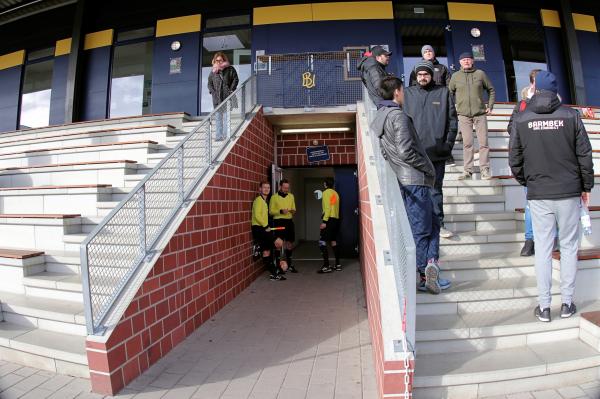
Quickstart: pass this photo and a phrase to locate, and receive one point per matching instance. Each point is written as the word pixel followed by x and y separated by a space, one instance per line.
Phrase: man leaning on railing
pixel 403 150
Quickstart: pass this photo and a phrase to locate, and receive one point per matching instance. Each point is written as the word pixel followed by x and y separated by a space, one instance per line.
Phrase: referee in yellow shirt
pixel 330 226
pixel 282 208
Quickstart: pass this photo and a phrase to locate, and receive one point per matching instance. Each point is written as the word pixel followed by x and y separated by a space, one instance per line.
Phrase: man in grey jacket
pixel 372 71
pixel 403 150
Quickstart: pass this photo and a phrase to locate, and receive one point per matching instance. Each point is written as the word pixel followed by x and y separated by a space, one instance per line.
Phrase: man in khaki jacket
pixel 468 85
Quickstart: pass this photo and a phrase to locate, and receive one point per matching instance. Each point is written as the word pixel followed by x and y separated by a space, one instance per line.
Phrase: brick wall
pixel 205 265
pixel 389 374
pixel 291 148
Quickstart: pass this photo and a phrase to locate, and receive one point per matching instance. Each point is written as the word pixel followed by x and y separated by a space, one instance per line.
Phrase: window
pixel 36 89
pixel 131 80
pixel 232 36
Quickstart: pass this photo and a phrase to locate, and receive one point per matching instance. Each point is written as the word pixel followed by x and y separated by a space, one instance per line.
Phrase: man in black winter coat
pixel 431 107
pixel 550 153
pixel 441 74
pixel 372 71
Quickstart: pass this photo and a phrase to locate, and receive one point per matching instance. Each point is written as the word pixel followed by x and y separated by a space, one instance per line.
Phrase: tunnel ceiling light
pixel 316 129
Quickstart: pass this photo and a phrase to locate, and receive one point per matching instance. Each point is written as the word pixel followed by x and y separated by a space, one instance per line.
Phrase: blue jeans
pixel 221 124
pixel 528 225
pixel 436 193
pixel 424 224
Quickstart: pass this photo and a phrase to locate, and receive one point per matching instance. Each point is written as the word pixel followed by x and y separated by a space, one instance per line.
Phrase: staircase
pixel 56 185
pixel 480 338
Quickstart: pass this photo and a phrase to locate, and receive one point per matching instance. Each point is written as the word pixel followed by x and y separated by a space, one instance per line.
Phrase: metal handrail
pixel 402 250
pixel 113 252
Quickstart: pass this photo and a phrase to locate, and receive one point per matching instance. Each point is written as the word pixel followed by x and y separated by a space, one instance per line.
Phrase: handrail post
pixel 243 105
pixel 209 137
pixel 85 285
pixel 180 181
pixel 142 220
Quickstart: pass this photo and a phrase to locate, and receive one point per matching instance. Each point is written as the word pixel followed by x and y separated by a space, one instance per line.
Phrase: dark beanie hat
pixel 466 54
pixel 545 80
pixel 426 66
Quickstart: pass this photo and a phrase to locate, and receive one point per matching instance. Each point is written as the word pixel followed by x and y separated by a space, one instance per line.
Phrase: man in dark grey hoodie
pixel 372 71
pixel 403 150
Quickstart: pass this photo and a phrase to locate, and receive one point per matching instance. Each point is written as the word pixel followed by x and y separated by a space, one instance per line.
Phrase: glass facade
pixel 35 94
pixel 131 79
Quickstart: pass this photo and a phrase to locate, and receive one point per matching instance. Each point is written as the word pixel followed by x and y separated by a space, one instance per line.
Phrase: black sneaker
pixel 542 315
pixel 277 277
pixel 324 269
pixel 528 248
pixel 338 268
pixel 292 269
pixel 567 310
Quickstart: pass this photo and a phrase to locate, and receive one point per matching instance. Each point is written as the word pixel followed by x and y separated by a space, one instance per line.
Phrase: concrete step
pixel 469 375
pixel 494 330
pixel 99 172
pixel 48 314
pixel 134 150
pixel 47 350
pixel 482 296
pixel 38 232
pixel 474 207
pixel 56 199
pixel 493 225
pixel 491 266
pixel 480 242
pixel 53 285
pixel 63 261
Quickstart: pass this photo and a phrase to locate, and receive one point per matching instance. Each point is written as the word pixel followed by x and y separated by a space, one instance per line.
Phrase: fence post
pixel 142 219
pixel 180 181
pixel 209 137
pixel 243 105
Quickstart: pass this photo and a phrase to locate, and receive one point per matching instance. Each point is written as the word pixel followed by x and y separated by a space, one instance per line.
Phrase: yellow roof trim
pixel 352 10
pixel 178 25
pixel 98 39
pixel 550 18
pixel 282 14
pixel 471 12
pixel 12 59
pixel 63 47
pixel 584 22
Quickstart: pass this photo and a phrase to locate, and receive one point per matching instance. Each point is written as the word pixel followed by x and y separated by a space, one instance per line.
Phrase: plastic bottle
pixel 586 221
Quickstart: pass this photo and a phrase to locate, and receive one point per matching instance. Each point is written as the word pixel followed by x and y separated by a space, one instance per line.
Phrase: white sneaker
pixel 445 233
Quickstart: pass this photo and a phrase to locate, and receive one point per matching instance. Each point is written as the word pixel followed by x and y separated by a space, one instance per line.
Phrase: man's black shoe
pixel 542 315
pixel 567 310
pixel 528 248
pixel 292 269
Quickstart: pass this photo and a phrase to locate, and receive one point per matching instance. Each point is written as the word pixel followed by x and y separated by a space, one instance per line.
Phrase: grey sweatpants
pixel 545 215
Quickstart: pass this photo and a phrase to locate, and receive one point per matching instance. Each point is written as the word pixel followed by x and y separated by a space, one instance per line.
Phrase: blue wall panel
pixel 493 66
pixel 555 56
pixel 59 90
pixel 589 44
pixel 176 92
pixel 325 36
pixel 10 82
pixel 96 80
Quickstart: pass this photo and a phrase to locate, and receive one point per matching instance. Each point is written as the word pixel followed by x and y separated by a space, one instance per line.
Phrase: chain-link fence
pixel 402 246
pixel 309 79
pixel 112 253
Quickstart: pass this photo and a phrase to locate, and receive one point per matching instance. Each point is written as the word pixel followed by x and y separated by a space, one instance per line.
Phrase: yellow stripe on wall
pixel 63 47
pixel 352 10
pixel 282 14
pixel 102 38
pixel 12 59
pixel 471 12
pixel 179 25
pixel 550 18
pixel 584 22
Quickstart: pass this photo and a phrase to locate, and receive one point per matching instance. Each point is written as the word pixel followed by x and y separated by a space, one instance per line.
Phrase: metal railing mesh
pixel 309 79
pixel 112 253
pixel 402 246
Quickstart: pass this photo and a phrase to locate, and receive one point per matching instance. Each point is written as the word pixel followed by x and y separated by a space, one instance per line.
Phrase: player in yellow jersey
pixel 262 235
pixel 282 208
pixel 330 226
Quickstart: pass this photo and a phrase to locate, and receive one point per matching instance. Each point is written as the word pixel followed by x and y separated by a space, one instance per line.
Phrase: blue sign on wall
pixel 317 153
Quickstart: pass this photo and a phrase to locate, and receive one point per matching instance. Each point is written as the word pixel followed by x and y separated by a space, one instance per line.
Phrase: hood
pixel 468 70
pixel 386 106
pixel 543 102
pixel 367 62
